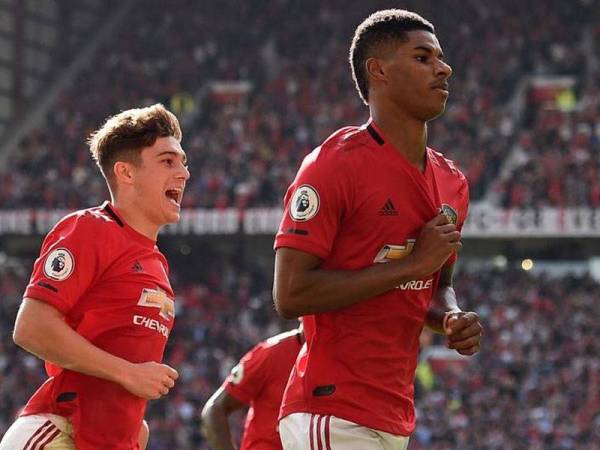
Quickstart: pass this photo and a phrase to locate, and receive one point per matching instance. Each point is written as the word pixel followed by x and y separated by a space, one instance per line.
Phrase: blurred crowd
pixel 535 384
pixel 556 160
pixel 245 149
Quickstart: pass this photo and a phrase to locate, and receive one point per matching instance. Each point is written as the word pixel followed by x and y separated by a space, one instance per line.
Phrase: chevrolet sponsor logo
pixel 151 324
pixel 391 252
pixel 155 298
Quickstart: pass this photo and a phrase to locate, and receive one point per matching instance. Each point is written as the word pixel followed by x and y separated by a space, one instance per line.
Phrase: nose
pixel 184 173
pixel 443 69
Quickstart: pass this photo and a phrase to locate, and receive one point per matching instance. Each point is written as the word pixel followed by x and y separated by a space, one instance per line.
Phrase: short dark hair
pixel 123 136
pixel 380 28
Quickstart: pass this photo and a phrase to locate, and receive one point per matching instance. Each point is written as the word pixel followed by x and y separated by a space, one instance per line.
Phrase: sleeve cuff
pixel 45 295
pixel 308 247
pixel 239 394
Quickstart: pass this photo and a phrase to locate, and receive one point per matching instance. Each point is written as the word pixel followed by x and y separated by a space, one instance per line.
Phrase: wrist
pixel 121 373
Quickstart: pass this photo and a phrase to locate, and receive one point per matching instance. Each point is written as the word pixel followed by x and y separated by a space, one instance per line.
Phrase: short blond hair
pixel 123 136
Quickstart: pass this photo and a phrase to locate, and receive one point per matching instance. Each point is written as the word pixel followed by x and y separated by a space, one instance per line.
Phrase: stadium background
pixel 257 84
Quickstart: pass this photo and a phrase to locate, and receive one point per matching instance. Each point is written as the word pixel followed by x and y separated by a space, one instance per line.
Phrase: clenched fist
pixel 463 331
pixel 149 380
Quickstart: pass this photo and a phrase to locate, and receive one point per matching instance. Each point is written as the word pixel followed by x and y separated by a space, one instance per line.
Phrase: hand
pixel 149 380
pixel 437 241
pixel 463 332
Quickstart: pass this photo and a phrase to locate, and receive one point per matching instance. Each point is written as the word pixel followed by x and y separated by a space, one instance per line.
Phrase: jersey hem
pixel 331 410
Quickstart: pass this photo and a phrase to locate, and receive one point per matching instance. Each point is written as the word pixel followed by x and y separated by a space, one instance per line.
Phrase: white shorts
pixel 303 431
pixel 39 432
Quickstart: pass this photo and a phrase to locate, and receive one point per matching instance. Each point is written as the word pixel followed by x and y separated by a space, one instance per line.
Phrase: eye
pixel 168 162
pixel 421 58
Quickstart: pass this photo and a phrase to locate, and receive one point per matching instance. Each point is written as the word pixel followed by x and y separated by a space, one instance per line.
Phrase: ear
pixel 375 69
pixel 123 172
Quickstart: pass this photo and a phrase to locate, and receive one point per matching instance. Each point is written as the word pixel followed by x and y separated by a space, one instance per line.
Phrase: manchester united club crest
pixel 304 204
pixel 59 264
pixel 450 213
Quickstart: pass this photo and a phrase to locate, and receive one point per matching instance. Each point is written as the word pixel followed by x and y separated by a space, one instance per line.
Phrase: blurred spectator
pixel 294 55
pixel 535 384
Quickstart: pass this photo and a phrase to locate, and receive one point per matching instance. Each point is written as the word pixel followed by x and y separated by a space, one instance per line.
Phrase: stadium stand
pixel 523 123
pixel 535 385
pixel 245 144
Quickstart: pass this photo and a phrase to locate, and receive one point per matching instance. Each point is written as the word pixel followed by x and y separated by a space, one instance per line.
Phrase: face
pixel 415 77
pixel 159 181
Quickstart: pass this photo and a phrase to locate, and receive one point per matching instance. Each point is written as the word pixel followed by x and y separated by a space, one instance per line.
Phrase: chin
pixel 434 113
pixel 169 217
pixel 173 217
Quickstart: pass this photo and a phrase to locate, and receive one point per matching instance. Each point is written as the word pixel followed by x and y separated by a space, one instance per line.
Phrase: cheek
pixel 409 84
pixel 150 188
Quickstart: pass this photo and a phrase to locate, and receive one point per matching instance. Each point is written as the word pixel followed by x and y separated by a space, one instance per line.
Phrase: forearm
pixel 144 435
pixel 215 428
pixel 320 290
pixel 443 301
pixel 43 332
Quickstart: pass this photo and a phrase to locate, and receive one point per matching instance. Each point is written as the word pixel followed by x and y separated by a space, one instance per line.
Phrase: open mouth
pixel 174 195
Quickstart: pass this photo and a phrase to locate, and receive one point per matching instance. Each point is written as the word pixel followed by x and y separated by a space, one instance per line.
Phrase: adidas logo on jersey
pixel 388 209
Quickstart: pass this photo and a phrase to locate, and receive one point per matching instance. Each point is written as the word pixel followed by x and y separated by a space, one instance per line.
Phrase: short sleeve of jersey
pixel 67 265
pixel 315 204
pixel 246 380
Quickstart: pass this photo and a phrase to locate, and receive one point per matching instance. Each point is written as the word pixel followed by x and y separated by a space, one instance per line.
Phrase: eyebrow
pixel 173 153
pixel 429 50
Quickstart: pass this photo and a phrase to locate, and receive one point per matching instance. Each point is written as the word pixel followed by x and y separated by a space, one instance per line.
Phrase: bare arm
pixel 444 301
pixel 40 329
pixel 301 287
pixel 463 330
pixel 215 425
pixel 144 435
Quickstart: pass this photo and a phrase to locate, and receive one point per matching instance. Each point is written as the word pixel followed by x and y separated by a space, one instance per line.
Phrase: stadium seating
pixel 257 89
pixel 534 385
pixel 244 149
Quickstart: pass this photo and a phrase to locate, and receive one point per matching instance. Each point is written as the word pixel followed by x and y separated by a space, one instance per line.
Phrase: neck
pixel 135 218
pixel 406 134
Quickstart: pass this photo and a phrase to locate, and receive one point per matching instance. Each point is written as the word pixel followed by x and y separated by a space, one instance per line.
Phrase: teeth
pixel 177 193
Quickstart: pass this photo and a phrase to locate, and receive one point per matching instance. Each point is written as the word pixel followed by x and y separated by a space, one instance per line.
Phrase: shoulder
pixel 447 166
pixel 92 226
pixel 285 340
pixel 342 147
pixel 273 353
pixel 348 138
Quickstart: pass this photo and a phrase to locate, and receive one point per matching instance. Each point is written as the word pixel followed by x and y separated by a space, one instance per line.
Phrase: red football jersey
pixel 259 381
pixel 111 284
pixel 356 201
